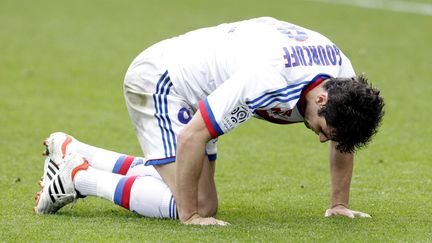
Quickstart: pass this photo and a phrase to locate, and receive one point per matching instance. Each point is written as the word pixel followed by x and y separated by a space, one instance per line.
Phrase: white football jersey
pixel 254 68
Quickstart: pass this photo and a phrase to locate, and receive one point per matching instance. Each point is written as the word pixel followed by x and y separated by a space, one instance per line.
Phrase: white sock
pixel 94 182
pixel 106 160
pixel 147 195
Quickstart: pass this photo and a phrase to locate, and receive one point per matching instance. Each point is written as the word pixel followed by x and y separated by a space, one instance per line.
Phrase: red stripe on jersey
pixel 206 119
pixel 302 101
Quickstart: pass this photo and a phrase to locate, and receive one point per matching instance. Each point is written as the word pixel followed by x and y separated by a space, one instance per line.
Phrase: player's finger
pixel 207 221
pixel 222 223
pixel 335 212
pixel 216 222
pixel 328 213
pixel 348 213
pixel 361 214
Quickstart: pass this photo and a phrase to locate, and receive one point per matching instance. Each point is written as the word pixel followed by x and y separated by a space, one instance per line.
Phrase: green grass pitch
pixel 61 69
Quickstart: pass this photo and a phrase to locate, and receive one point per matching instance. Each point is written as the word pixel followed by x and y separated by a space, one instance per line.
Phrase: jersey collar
pixel 317 80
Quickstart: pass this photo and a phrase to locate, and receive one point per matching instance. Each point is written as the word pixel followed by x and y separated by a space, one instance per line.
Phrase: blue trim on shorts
pixel 163 161
pixel 160 161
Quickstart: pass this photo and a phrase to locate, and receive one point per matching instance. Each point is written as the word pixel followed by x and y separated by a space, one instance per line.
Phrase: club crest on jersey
pixel 184 115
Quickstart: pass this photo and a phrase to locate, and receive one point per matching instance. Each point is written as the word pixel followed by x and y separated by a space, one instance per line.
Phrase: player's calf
pixel 145 195
pixel 59 144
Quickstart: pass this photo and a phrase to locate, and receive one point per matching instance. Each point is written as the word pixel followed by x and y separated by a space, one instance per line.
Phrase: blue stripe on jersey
pixel 285 100
pixel 118 164
pixel 212 118
pixel 118 193
pixel 262 104
pixel 275 93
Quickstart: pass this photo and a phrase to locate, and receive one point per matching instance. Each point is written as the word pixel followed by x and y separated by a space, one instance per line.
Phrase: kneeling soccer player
pixel 185 92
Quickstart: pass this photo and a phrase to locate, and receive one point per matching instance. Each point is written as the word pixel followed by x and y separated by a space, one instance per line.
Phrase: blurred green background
pixel 62 65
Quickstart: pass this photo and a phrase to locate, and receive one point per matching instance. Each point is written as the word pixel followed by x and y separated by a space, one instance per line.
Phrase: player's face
pixel 315 122
pixel 319 126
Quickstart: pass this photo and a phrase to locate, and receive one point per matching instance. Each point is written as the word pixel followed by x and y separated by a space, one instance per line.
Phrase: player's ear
pixel 321 99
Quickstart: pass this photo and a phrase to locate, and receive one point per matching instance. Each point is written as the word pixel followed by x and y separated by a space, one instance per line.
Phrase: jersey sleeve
pixel 235 100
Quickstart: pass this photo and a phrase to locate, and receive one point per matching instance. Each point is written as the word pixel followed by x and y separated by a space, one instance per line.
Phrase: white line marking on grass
pixel 395 6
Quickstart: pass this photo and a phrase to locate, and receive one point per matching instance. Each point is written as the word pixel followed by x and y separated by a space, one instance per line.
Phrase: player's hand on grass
pixel 341 210
pixel 198 220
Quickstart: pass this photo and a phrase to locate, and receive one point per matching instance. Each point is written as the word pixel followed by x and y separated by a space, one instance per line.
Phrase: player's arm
pixel 341 168
pixel 223 110
pixel 191 144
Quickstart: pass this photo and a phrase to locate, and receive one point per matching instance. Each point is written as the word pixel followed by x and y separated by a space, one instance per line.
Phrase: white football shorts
pixel 157 111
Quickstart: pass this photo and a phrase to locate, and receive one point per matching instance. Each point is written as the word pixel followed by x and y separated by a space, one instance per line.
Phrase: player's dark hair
pixel 354 110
